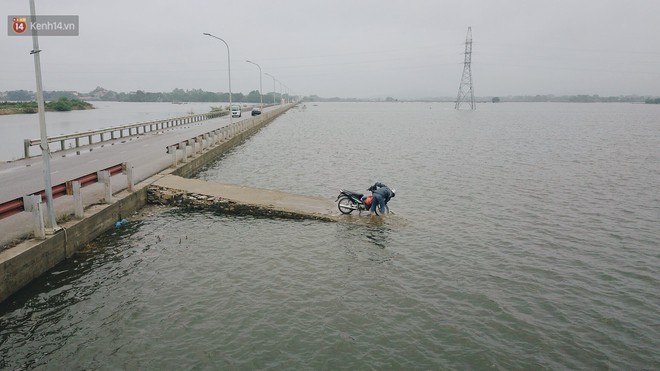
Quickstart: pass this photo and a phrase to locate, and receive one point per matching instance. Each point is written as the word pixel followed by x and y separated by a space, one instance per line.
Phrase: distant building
pixel 97 94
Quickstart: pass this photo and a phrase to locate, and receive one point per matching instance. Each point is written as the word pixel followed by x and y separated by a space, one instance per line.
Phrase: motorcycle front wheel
pixel 387 210
pixel 346 205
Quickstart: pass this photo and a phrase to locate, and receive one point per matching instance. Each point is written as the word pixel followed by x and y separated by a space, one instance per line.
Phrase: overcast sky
pixel 356 48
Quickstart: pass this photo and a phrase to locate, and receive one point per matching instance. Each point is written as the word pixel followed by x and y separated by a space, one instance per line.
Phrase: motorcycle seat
pixel 355 194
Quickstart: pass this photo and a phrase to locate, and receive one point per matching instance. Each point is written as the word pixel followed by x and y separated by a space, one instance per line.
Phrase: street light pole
pixel 273 86
pixel 261 98
pixel 51 223
pixel 228 69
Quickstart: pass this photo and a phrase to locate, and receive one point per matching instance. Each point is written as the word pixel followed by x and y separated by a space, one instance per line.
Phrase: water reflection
pixel 377 233
pixel 365 231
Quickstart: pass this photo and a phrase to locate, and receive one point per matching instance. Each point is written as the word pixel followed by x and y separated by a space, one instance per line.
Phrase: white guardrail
pixel 90 137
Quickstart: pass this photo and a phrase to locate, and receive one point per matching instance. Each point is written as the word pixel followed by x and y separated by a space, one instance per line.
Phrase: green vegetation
pixel 7 108
pixel 61 104
pixel 180 95
pixel 66 104
pixel 176 95
pixel 652 101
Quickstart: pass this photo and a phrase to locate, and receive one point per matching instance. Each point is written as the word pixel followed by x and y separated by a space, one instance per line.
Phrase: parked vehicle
pixel 236 111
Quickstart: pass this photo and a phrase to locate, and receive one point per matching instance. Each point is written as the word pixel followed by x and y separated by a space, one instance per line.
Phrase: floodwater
pixel 524 236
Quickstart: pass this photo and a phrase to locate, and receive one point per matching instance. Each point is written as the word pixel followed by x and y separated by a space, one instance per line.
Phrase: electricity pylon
pixel 465 91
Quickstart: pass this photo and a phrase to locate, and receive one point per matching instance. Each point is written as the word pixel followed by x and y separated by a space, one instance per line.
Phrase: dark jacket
pixel 382 190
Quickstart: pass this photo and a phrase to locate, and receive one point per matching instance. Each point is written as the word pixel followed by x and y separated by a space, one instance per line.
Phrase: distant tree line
pixel 176 95
pixel 575 98
pixel 26 96
pixel 316 98
pixel 194 95
pixel 199 95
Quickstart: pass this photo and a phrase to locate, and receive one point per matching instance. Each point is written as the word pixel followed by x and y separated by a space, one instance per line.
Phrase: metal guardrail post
pixel 104 177
pixel 184 148
pixel 172 150
pixel 26 148
pixel 38 216
pixel 127 168
pixel 77 199
pixel 33 203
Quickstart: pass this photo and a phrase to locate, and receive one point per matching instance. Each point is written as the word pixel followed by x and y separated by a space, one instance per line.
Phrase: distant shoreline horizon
pixel 198 95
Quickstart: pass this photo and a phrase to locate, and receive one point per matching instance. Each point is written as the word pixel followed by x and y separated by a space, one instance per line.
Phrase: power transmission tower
pixel 465 91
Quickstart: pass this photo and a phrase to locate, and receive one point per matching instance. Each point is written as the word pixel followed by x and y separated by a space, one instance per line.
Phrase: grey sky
pixel 358 48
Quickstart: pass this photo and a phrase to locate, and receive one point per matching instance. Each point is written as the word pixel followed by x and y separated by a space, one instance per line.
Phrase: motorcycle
pixel 349 201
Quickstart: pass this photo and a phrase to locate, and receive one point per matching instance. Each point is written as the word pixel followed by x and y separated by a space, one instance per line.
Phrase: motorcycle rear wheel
pixel 346 205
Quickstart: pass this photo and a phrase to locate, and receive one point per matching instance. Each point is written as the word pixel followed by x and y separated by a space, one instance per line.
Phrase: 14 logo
pixel 19 25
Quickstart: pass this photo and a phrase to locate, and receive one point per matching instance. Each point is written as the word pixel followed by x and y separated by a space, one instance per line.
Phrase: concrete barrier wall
pixel 23 263
pixel 29 260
